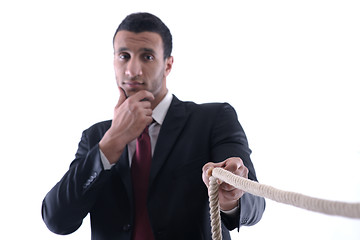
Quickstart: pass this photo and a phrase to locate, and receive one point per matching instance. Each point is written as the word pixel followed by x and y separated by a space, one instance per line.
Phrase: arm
pixel 230 150
pixel 72 198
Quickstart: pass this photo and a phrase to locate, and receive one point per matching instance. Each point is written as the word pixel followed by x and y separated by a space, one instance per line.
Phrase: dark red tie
pixel 140 171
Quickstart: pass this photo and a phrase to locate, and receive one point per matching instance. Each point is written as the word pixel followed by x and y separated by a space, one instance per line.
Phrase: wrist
pixel 111 148
pixel 229 206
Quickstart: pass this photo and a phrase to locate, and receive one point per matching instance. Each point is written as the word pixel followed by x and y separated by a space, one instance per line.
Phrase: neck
pixel 158 99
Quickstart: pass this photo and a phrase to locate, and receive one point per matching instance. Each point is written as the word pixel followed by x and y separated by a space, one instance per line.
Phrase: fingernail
pixel 209 171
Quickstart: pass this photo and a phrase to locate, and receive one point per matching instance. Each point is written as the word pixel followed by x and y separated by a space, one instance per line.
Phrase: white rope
pixel 214 209
pixel 350 210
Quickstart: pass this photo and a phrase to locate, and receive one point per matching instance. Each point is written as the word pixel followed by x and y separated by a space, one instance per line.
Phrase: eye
pixel 149 57
pixel 124 56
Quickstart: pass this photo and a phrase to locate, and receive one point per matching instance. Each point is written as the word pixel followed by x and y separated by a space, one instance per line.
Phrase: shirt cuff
pixel 105 162
pixel 231 211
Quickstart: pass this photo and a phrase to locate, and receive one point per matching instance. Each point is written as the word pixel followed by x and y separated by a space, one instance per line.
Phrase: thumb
pixel 122 97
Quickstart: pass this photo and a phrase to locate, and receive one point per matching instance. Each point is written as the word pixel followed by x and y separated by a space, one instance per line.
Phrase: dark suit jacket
pixel 191 135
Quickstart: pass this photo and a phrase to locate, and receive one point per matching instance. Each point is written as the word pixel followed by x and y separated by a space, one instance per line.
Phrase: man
pixel 186 139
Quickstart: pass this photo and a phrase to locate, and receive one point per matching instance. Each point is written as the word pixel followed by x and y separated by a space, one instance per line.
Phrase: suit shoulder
pixel 208 107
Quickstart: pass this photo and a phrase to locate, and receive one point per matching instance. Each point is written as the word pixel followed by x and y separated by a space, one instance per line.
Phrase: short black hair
pixel 147 22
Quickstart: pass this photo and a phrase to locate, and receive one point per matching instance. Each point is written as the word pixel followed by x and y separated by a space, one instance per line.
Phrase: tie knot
pixel 146 130
pixel 144 134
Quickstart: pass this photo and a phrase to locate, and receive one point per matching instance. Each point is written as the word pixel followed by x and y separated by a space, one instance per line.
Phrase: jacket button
pixel 127 227
pixel 161 235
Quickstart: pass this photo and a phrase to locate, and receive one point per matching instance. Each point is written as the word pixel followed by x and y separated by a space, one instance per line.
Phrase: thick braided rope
pixel 350 210
pixel 214 209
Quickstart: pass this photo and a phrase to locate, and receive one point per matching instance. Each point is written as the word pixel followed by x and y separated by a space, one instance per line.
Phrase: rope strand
pixel 214 209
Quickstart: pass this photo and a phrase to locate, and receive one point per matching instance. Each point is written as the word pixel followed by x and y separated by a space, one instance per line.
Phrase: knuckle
pixel 146 104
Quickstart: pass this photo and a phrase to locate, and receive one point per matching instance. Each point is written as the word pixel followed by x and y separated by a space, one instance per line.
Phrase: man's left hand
pixel 228 195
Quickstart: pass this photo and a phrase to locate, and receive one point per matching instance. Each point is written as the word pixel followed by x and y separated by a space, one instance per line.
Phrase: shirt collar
pixel 161 109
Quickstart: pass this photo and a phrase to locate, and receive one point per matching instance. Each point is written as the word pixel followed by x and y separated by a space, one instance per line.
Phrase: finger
pixel 231 195
pixel 148 112
pixel 149 120
pixel 145 104
pixel 243 171
pixel 207 172
pixel 226 187
pixel 143 115
pixel 212 166
pixel 208 168
pixel 122 97
pixel 233 164
pixel 145 121
pixel 237 169
pixel 144 95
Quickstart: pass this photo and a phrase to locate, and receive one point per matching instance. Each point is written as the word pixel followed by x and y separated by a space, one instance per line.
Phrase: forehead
pixel 136 41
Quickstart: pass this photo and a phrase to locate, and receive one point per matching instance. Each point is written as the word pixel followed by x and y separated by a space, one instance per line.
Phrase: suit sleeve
pixel 71 199
pixel 229 140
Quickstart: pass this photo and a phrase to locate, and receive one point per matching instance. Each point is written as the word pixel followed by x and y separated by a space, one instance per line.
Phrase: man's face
pixel 139 63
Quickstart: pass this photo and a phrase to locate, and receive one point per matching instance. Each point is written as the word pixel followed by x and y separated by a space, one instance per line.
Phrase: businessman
pixel 144 174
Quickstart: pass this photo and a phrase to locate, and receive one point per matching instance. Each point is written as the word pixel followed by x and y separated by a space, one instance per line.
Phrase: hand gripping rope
pixel 350 210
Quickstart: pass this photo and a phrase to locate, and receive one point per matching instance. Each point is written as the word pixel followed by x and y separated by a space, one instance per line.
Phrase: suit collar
pixel 161 109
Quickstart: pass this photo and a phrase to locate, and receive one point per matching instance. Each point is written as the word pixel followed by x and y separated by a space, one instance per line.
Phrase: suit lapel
pixel 170 130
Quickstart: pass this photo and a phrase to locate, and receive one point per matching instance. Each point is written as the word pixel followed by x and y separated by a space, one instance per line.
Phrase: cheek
pixel 158 72
pixel 118 70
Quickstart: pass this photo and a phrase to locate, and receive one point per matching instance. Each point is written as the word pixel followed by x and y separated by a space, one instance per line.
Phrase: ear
pixel 168 65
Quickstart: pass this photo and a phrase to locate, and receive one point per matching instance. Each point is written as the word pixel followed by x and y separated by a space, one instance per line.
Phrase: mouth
pixel 133 84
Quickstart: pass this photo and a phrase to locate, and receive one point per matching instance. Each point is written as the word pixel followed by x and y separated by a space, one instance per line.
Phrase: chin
pixel 132 91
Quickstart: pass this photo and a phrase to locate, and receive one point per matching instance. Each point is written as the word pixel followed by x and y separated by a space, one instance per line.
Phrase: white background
pixel 290 68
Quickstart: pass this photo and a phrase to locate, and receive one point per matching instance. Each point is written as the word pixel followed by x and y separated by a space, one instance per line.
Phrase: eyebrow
pixel 124 49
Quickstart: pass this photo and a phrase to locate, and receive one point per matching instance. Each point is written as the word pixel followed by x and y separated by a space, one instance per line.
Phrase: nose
pixel 133 68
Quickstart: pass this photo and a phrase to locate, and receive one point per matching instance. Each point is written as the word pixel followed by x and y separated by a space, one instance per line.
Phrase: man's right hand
pixel 131 116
